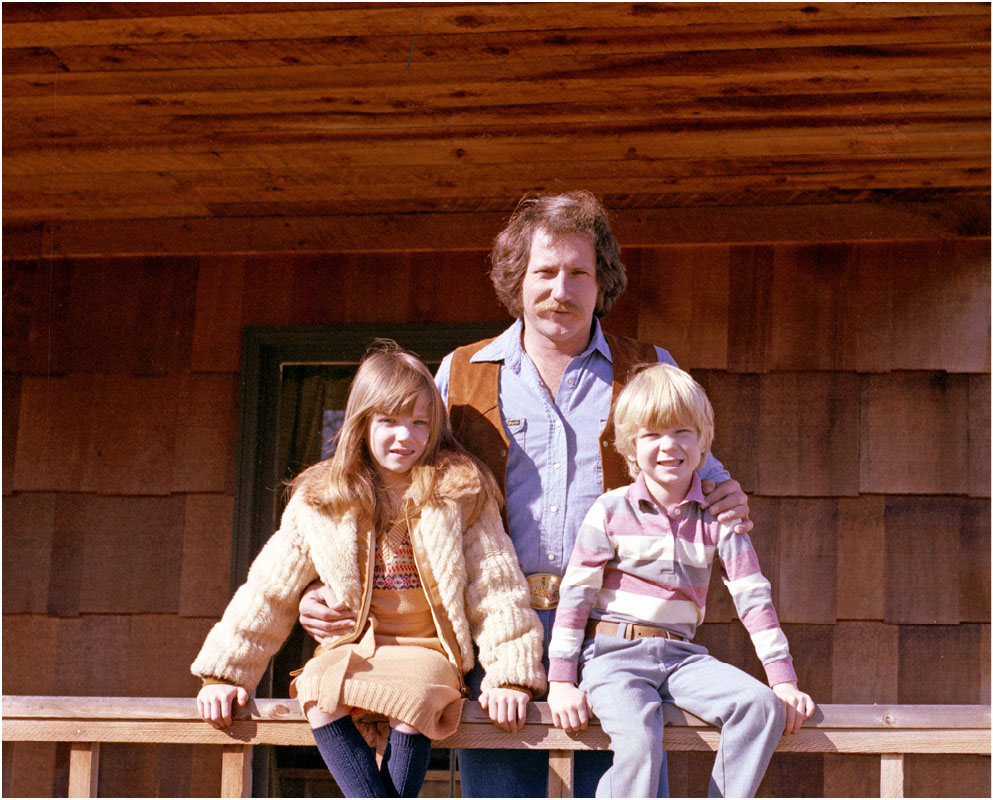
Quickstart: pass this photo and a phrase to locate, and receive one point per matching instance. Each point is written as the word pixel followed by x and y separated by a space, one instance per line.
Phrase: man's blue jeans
pixel 524 773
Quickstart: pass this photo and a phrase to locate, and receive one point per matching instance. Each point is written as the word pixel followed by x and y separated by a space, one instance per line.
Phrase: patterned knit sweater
pixel 633 563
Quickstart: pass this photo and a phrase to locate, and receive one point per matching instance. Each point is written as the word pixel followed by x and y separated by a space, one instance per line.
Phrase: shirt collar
pixel 640 494
pixel 507 347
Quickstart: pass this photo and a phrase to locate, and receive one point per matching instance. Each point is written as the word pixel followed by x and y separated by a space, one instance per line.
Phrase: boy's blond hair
pixel 661 396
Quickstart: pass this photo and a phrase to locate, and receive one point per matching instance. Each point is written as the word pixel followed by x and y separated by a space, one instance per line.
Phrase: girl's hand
pixel 569 705
pixel 214 703
pixel 799 705
pixel 507 707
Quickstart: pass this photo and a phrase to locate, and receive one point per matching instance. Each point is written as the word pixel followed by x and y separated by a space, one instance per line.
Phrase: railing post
pixel 84 769
pixel 236 770
pixel 891 775
pixel 560 773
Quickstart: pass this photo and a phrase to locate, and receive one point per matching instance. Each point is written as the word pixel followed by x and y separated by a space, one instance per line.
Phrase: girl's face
pixel 397 441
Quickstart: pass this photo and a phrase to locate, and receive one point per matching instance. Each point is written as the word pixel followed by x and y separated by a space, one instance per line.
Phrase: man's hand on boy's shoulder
pixel 727 502
pixel 799 705
pixel 569 705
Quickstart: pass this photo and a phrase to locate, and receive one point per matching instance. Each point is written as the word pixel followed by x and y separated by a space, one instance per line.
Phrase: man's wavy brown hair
pixel 572 212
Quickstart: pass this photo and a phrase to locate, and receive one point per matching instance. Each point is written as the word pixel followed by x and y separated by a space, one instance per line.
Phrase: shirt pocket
pixel 517 428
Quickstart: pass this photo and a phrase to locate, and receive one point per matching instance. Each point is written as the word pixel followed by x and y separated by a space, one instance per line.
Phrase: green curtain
pixel 306 392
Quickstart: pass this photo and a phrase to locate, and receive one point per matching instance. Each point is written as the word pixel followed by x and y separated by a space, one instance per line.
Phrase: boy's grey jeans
pixel 627 682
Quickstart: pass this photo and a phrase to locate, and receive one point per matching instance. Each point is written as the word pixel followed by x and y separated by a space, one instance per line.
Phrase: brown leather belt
pixel 632 631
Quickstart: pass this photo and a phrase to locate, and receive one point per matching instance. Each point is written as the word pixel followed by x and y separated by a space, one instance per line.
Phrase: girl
pixel 402 525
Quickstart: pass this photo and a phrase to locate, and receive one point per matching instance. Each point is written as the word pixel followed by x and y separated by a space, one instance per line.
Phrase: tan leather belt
pixel 544 590
pixel 632 631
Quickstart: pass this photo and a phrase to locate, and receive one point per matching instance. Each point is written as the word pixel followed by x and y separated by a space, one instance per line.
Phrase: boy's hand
pixel 214 703
pixel 508 708
pixel 799 705
pixel 727 502
pixel 322 615
pixel 569 705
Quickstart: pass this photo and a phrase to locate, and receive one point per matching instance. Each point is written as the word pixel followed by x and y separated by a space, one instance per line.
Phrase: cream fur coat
pixel 483 594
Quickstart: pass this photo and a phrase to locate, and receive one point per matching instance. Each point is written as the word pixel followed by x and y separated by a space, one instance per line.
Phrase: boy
pixel 635 591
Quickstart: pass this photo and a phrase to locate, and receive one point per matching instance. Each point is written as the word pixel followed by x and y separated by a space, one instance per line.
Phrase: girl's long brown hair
pixel 389 381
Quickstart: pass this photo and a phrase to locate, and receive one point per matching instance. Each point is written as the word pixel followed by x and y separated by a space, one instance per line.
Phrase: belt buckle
pixel 544 588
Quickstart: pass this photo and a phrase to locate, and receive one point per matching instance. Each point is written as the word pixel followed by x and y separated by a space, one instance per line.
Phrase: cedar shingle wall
pixel 851 388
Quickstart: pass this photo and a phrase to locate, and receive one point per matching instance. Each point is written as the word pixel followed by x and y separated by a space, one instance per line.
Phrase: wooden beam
pixel 964 216
pixel 891 775
pixel 236 770
pixel 560 773
pixel 84 769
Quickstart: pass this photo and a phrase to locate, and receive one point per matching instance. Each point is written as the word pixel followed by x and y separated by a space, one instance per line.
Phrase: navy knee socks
pixel 405 763
pixel 351 761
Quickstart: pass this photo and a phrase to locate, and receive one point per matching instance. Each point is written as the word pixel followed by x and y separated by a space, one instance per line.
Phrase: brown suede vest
pixel 474 406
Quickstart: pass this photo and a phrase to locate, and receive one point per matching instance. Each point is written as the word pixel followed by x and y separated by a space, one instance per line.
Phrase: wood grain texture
pixel 203 453
pixel 808 434
pixel 954 776
pixel 974 560
pixel 251 228
pixel 106 549
pixel 810 307
pixel 91 655
pixel 749 327
pixel 207 525
pixel 847 775
pixel 164 646
pixel 35 314
pixel 28 768
pixel 29 527
pixel 896 409
pixel 808 561
pixel 29 650
pixel 735 399
pixel 861 593
pixel 951 651
pixel 923 536
pixel 84 769
pixel 934 315
pixel 11 418
pixel 979 435
pixel 793 775
pixel 684 304
pixel 812 648
pixel 216 343
pixel 856 645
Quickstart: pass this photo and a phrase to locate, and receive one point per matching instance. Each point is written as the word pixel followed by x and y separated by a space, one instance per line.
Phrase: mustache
pixel 554 305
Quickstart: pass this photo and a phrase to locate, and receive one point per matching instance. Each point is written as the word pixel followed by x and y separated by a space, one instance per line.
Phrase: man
pixel 534 405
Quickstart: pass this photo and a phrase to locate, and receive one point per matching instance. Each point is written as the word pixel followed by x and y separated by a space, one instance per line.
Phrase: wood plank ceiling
pixel 145 128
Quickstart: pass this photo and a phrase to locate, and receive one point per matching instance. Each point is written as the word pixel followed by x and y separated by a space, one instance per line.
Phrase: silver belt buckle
pixel 544 589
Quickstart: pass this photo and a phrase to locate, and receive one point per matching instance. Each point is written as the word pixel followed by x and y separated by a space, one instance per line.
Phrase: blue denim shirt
pixel 554 472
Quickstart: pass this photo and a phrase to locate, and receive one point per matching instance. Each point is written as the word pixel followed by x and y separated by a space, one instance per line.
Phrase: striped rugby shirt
pixel 633 563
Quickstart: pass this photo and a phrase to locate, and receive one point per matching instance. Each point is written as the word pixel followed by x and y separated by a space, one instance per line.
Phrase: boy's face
pixel 668 456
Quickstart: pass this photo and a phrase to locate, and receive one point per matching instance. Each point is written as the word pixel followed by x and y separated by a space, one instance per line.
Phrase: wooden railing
pixel 85 722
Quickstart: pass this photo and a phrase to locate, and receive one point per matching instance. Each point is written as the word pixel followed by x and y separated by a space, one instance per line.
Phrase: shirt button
pixel 675 512
pixel 571 381
pixel 555 465
pixel 555 509
pixel 551 557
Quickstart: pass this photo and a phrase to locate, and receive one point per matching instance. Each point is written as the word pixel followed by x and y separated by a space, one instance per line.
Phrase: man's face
pixel 559 291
